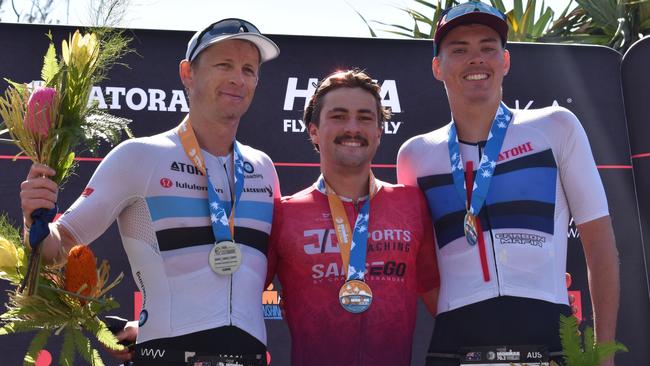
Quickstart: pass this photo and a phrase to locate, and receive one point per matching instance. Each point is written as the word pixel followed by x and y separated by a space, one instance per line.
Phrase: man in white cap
pixel 502 185
pixel 196 237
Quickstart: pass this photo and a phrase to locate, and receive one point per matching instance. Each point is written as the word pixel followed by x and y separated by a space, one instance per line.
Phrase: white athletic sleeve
pixel 406 173
pixel 578 172
pixel 118 181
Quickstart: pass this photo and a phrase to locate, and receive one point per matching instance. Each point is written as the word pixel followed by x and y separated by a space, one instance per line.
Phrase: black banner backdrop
pixel 636 78
pixel 585 79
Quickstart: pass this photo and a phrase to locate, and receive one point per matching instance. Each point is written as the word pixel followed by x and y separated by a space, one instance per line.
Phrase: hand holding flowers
pixel 49 123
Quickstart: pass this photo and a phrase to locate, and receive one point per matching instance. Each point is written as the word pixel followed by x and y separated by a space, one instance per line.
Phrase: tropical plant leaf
pixel 544 20
pixel 606 349
pixel 66 358
pixel 37 344
pixel 20 326
pixel 67 163
pixel 529 17
pixel 101 126
pixel 584 353
pixel 566 9
pixel 518 10
pixel 498 4
pixel 426 3
pixel 86 350
pixel 372 32
pixel 50 65
pixel 103 335
pixel 589 355
pixel 571 344
pixel 20 87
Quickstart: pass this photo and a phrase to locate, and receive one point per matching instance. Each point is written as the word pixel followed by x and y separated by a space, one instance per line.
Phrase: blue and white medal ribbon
pixel 484 172
pixel 225 256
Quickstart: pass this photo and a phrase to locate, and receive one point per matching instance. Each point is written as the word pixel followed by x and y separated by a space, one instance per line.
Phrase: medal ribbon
pixel 352 245
pixel 222 216
pixel 469 178
pixel 486 166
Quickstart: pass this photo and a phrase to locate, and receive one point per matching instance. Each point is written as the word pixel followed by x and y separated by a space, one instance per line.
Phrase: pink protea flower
pixel 38 119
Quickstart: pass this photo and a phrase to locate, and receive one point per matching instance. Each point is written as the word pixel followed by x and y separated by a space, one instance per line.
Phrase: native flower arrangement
pixel 68 300
pixel 49 123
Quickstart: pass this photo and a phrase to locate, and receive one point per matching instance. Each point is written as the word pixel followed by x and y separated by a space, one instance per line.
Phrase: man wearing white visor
pixel 196 238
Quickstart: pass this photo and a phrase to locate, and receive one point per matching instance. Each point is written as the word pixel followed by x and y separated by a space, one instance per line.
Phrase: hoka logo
pixel 153 353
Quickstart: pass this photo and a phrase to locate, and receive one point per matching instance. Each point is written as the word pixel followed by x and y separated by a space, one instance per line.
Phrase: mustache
pixel 358 138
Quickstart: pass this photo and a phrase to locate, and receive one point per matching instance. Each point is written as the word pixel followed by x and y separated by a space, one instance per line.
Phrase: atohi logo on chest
pixel 516 151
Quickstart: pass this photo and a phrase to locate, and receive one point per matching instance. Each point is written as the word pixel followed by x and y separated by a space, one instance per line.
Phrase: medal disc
pixel 470 229
pixel 355 296
pixel 225 257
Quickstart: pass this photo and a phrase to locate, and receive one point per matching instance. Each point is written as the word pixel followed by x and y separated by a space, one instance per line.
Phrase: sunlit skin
pixel 220 85
pixel 348 136
pixel 472 64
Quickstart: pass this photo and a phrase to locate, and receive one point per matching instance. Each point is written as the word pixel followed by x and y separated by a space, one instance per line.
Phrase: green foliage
pixel 53 310
pixel 424 26
pixel 524 25
pixel 8 230
pixel 84 62
pixel 50 64
pixel 86 350
pixel 614 23
pixel 101 126
pixel 66 357
pixel 37 344
pixel 103 335
pixel 587 352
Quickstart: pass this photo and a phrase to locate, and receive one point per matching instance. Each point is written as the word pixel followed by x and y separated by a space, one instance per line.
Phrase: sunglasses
pixel 469 7
pixel 225 26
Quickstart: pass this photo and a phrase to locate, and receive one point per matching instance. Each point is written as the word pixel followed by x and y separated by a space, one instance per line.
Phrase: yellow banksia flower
pixel 80 270
pixel 80 50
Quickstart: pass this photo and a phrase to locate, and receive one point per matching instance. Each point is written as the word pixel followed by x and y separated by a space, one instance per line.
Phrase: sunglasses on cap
pixel 225 26
pixel 469 7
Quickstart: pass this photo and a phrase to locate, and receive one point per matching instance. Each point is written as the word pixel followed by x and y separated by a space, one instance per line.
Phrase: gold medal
pixel 355 296
pixel 470 228
pixel 225 257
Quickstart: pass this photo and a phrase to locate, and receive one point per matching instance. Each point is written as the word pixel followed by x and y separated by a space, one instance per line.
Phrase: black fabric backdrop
pixel 585 79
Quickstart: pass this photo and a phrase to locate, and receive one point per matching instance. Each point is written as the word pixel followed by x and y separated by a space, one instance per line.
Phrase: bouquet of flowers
pixel 68 300
pixel 50 122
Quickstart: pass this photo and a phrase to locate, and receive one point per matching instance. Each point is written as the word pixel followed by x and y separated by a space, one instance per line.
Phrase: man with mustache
pixel 351 252
pixel 193 227
pixel 502 185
